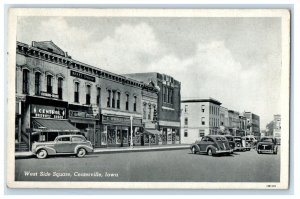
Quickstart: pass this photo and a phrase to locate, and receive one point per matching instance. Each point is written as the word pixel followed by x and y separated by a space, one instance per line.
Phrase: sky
pixel 234 60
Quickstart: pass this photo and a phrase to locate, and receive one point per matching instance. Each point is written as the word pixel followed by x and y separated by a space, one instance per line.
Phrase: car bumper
pixel 265 151
pixel 238 148
pixel 224 151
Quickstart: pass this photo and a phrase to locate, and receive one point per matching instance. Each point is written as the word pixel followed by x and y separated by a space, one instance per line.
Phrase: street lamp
pixel 131 132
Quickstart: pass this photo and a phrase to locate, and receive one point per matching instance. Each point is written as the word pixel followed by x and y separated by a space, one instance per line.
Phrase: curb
pixel 121 150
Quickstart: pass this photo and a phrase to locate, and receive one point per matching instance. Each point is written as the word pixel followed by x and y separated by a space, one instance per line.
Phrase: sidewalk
pixel 122 149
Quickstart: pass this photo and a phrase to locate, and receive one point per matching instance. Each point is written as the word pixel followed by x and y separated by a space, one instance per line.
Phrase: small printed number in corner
pixel 271 185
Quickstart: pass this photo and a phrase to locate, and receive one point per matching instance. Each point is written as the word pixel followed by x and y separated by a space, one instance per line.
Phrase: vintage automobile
pixel 239 146
pixel 63 144
pixel 212 145
pixel 247 143
pixel 231 141
pixel 267 145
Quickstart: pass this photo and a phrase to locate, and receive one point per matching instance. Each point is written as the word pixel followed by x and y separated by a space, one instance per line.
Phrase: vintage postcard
pixel 148 98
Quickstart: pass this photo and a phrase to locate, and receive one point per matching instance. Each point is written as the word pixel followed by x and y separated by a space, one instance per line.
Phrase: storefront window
pixel 118 141
pixel 111 135
pixel 125 135
pixel 104 135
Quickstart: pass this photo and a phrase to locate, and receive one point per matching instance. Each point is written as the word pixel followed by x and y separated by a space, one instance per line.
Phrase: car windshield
pixel 266 140
pixel 220 139
pixel 229 138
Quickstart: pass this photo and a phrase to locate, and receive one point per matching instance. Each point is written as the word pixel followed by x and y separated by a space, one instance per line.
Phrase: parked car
pixel 239 146
pixel 231 141
pixel 267 145
pixel 212 145
pixel 64 144
pixel 247 143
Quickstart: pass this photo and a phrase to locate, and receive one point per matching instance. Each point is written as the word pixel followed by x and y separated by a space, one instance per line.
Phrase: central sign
pixel 48 112
pixel 83 76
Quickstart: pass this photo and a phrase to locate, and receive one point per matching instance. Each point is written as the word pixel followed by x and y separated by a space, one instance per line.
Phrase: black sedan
pixel 212 145
pixel 267 145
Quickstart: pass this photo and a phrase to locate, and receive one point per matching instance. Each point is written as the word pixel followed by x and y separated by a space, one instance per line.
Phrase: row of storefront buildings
pixel 56 95
pixel 202 117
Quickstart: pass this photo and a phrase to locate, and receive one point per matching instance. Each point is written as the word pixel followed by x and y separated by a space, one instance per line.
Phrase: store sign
pixel 48 112
pixel 120 120
pixel 50 95
pixel 80 114
pixel 82 76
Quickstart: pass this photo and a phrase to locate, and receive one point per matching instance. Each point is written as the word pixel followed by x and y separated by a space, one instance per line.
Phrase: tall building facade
pixel 168 111
pixel 224 121
pixel 253 124
pixel 234 122
pixel 277 127
pixel 56 94
pixel 199 117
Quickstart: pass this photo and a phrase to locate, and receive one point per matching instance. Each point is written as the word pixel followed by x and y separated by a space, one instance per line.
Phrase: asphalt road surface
pixel 153 166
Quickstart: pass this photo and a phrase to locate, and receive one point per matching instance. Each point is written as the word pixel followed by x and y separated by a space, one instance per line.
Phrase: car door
pixel 63 145
pixel 203 144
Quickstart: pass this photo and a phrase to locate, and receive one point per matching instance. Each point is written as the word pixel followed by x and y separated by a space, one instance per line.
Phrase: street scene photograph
pixel 162 96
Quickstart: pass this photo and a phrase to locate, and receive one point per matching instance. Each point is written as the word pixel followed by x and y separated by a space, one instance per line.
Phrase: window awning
pixel 152 132
pixel 52 125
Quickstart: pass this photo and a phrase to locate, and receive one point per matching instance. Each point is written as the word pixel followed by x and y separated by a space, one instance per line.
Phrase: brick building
pixel 199 117
pixel 56 94
pixel 168 111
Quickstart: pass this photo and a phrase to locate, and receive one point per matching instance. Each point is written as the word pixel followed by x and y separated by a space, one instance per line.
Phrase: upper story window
pixel 171 96
pixel 185 133
pixel 118 100
pixel 88 94
pixel 127 102
pixel 134 103
pixel 108 97
pixel 203 120
pixel 98 95
pixel 37 83
pixel 113 99
pixel 60 87
pixel 49 83
pixel 186 121
pixel 144 111
pixel 201 133
pixel 186 108
pixel 149 113
pixel 76 92
pixel 203 108
pixel 26 81
pixel 164 94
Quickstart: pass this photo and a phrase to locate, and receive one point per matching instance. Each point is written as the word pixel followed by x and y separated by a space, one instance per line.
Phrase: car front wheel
pixel 209 152
pixel 275 151
pixel 194 150
pixel 41 154
pixel 81 152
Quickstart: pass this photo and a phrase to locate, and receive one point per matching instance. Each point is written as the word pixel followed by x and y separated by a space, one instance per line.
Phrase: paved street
pixel 153 166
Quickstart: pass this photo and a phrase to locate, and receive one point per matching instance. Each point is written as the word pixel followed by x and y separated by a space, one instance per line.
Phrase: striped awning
pixel 52 125
pixel 152 132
